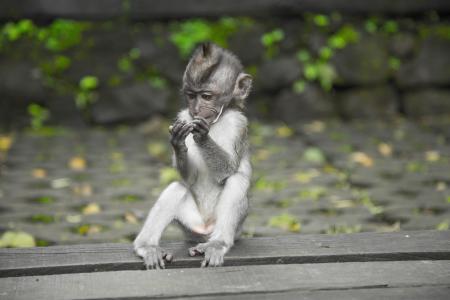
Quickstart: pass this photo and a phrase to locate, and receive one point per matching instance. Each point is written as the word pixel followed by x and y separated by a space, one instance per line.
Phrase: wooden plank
pixel 410 293
pixel 229 280
pixel 308 248
pixel 144 9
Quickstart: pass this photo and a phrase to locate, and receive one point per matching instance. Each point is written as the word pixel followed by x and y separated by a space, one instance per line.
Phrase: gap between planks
pixel 292 249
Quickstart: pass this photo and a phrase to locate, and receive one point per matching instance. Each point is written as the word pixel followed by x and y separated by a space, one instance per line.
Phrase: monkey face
pixel 205 104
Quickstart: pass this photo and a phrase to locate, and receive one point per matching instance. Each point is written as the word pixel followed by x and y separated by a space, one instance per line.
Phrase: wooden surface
pixel 230 280
pixel 403 265
pixel 411 245
pixel 144 9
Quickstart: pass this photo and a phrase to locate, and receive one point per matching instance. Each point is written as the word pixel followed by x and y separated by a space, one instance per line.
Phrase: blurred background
pixel 350 113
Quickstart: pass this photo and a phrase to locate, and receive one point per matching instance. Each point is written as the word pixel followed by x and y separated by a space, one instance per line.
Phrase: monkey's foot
pixel 214 252
pixel 154 256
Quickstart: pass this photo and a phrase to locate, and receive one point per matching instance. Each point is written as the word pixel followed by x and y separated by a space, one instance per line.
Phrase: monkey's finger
pixel 176 127
pixel 160 260
pixel 204 263
pixel 194 251
pixel 168 257
pixel 207 260
pixel 151 260
pixel 180 130
pixel 187 128
pixel 201 122
pixel 216 259
pixel 200 127
pixel 148 262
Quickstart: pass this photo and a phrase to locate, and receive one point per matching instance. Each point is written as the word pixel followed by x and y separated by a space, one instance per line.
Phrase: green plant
pixel 345 35
pixel 394 63
pixel 187 34
pixel 286 222
pixel 319 69
pixel 270 40
pixel 42 218
pixel 321 20
pixel 38 115
pixel 86 95
pixel 14 31
pixel 62 34
pixel 390 27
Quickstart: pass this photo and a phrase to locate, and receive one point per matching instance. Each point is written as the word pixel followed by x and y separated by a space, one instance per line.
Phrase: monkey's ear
pixel 242 87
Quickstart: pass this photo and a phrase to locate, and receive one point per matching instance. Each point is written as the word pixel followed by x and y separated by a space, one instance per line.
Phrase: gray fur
pixel 210 202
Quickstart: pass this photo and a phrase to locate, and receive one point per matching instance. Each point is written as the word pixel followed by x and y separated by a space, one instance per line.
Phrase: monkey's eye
pixel 206 96
pixel 190 96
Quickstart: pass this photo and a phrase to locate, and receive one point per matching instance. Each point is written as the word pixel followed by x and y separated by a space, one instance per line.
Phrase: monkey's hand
pixel 200 129
pixel 178 133
pixel 214 252
pixel 154 256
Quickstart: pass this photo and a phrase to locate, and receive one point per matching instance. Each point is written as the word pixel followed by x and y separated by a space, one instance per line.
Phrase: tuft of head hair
pixel 211 64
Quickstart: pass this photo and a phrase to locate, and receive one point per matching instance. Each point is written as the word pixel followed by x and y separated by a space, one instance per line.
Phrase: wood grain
pixel 232 281
pixel 293 249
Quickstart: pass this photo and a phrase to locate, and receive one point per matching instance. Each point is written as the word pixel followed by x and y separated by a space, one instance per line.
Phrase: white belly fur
pixel 206 192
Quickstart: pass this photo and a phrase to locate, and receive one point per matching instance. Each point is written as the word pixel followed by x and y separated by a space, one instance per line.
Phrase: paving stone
pixel 403 190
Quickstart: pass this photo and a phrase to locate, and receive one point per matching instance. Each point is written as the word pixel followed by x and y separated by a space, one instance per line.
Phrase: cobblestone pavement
pixel 319 177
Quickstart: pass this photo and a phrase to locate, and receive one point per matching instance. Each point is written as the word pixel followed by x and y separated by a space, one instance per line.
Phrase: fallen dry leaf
pixel 130 218
pixel 362 159
pixel 77 163
pixel 39 173
pixel 432 156
pixel 315 127
pixel 441 186
pixel 91 209
pixel 83 189
pixel 284 131
pixel 385 149
pixel 5 142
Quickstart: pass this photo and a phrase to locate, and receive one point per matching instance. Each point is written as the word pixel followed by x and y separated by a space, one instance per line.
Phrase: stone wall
pixel 304 67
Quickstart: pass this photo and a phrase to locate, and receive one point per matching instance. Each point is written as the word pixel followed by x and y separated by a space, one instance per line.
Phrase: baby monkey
pixel 211 153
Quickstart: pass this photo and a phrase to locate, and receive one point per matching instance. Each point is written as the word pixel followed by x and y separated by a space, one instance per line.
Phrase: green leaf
pixel 311 72
pixel 321 20
pixel 167 175
pixel 314 155
pixel 285 221
pixel 17 239
pixel 272 37
pixel 88 83
pixel 124 64
pixel 299 86
pixel 42 218
pixel 135 53
pixel 371 26
pixel 394 63
pixel 303 55
pixel 390 26
pixel 326 53
pixel 444 225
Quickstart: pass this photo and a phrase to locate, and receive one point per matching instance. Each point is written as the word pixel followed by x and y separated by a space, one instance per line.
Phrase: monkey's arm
pixel 179 132
pixel 220 162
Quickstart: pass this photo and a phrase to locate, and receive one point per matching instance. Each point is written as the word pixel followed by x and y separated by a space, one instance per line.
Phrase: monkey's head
pixel 213 81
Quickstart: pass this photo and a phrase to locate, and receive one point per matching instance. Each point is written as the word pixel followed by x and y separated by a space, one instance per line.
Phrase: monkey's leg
pixel 230 212
pixel 168 206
